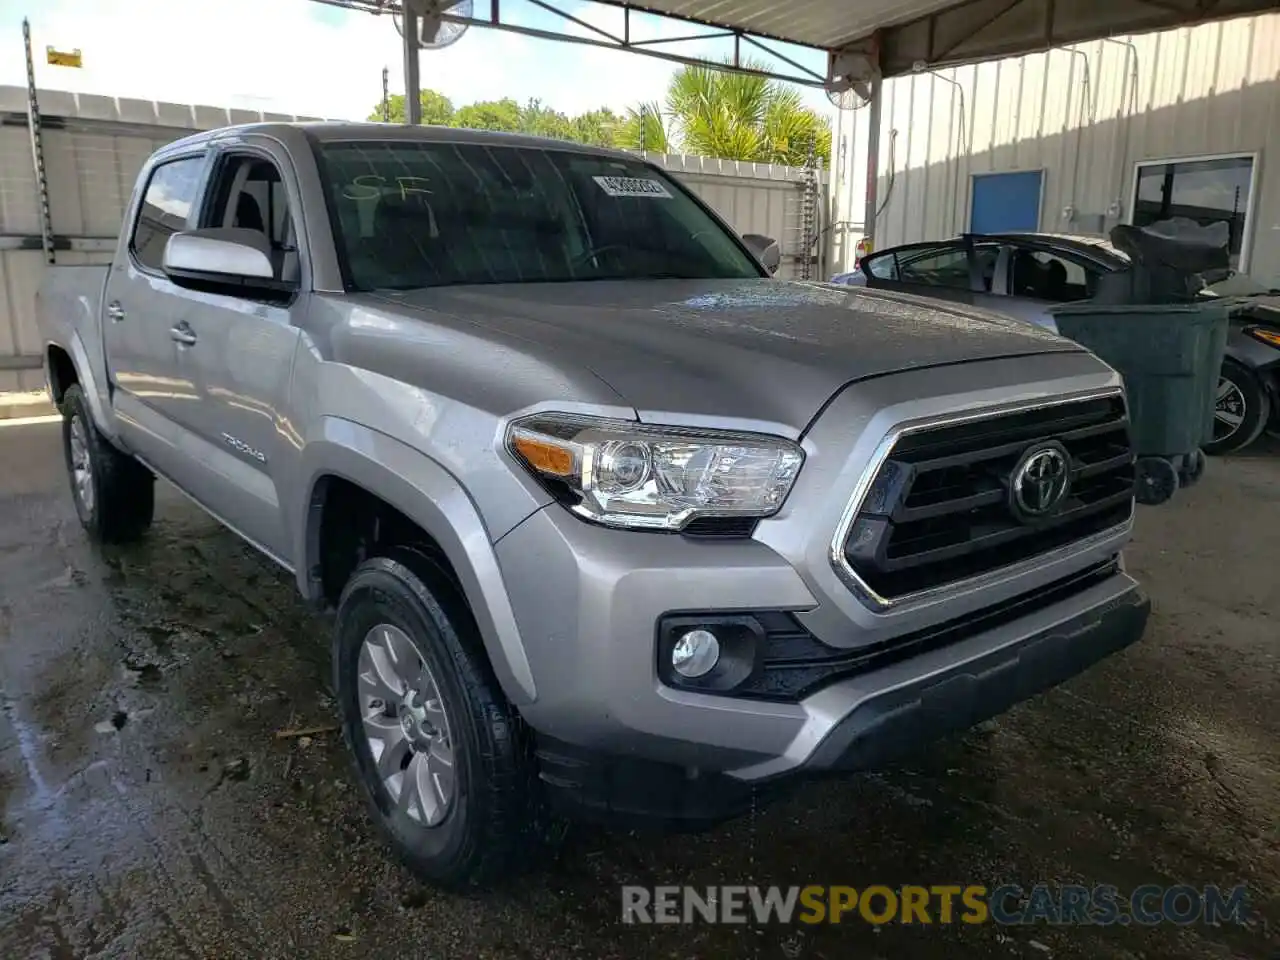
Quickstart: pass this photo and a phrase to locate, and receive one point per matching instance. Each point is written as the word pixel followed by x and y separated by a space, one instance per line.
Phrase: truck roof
pixel 331 131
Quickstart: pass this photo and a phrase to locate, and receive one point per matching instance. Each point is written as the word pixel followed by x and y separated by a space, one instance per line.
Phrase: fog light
pixel 695 654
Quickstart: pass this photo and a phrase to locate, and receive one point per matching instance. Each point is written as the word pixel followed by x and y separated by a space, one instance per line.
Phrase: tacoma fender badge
pixel 239 445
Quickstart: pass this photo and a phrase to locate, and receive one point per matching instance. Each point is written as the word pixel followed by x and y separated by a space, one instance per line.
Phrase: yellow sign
pixel 62 58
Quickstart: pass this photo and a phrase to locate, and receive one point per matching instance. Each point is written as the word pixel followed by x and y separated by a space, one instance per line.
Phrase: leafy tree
pixel 707 111
pixel 504 114
pixel 596 127
pixel 540 121
pixel 436 108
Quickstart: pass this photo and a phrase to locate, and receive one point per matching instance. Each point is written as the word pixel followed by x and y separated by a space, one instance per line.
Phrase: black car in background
pixel 1023 275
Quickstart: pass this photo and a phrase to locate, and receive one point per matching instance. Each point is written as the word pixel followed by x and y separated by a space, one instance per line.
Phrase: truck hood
pixel 771 351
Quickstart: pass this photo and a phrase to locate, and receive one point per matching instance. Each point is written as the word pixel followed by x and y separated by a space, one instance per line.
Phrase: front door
pixel 943 271
pixel 241 355
pixel 154 392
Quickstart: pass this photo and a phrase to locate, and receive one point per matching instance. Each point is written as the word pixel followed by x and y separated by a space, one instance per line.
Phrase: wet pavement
pixel 149 809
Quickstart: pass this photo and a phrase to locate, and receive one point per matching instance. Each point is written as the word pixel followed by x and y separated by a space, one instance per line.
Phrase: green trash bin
pixel 1170 356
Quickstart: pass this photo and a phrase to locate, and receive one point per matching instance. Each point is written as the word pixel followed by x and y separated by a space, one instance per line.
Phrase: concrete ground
pixel 148 809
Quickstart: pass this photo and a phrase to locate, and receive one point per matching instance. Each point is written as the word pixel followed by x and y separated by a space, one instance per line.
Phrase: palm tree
pixel 740 116
pixel 643 128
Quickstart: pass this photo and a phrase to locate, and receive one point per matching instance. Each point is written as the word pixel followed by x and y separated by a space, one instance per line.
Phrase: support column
pixel 412 83
pixel 873 164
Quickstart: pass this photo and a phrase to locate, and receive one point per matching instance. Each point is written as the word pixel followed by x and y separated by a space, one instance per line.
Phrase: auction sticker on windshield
pixel 631 187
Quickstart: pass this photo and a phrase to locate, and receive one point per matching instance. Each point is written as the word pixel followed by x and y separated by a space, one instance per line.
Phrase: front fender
pixel 428 495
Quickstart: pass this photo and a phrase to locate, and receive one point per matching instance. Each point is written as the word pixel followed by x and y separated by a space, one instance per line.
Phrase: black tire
pixel 116 501
pixel 490 823
pixel 1248 394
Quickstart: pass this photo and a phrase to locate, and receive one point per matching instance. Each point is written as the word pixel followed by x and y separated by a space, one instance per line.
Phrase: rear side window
pixel 1045 276
pixel 166 205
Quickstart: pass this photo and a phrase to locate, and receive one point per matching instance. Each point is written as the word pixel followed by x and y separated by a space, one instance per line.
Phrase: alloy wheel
pixel 1229 409
pixel 406 724
pixel 81 465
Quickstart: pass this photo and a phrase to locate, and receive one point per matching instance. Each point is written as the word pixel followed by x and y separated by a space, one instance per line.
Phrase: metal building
pixel 1078 139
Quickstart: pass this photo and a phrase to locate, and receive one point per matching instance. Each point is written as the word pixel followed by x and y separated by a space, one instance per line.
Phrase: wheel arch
pixel 424 493
pixel 68 364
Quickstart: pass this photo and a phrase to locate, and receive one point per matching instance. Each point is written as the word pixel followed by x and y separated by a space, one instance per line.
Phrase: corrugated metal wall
pixel 1085 116
pixel 93 161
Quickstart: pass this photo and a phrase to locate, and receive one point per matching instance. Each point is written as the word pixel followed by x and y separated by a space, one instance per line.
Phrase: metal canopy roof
pixel 905 34
pixel 865 39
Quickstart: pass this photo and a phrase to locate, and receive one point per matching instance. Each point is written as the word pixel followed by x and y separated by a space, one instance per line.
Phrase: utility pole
pixel 386 96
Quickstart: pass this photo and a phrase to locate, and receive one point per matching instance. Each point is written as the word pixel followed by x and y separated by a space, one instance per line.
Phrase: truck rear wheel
pixel 442 758
pixel 114 495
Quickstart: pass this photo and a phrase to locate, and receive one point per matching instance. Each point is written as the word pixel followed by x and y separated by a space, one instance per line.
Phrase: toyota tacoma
pixel 614 523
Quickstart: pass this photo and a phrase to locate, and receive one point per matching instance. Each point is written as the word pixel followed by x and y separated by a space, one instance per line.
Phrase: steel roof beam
pixel 609 41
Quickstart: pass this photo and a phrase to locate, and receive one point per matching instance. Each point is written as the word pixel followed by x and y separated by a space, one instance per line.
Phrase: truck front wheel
pixel 443 759
pixel 114 495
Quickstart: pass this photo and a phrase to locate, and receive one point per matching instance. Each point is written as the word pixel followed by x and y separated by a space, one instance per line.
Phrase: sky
pixel 305 58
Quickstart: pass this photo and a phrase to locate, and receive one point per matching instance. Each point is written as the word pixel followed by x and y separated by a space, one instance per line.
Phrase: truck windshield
pixel 421 214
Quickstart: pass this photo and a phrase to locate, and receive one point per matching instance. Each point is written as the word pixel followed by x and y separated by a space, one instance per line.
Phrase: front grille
pixel 939 507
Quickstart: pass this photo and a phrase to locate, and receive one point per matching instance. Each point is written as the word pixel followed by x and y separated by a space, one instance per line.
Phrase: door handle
pixel 115 311
pixel 183 334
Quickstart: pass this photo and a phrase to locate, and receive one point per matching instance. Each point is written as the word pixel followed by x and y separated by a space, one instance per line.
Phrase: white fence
pixel 95 146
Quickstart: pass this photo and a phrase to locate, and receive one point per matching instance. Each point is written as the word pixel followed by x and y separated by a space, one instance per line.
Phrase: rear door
pixel 153 390
pixel 1033 279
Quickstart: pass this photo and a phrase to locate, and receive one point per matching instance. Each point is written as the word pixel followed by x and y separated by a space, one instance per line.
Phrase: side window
pixel 882 267
pixel 1045 276
pixel 1206 191
pixel 165 207
pixel 249 194
pixel 947 267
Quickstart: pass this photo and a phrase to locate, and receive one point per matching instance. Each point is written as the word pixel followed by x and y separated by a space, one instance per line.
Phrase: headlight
pixel 626 474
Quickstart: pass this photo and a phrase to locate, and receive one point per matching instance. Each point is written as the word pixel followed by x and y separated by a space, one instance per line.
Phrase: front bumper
pixel 887 720
pixel 893 722
pixel 588 599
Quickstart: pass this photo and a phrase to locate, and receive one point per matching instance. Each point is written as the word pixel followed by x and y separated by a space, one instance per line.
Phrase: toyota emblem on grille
pixel 1040 481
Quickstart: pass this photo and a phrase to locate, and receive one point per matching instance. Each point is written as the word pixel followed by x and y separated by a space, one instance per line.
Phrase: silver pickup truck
pixel 615 524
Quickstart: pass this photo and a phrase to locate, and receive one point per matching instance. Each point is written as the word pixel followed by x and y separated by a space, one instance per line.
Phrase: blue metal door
pixel 1006 201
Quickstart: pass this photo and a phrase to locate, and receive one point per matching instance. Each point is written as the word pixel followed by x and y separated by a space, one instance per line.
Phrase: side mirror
pixel 223 260
pixel 766 250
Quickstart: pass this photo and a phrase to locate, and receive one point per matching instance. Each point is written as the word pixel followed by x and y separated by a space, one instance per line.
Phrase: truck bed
pixel 68 314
